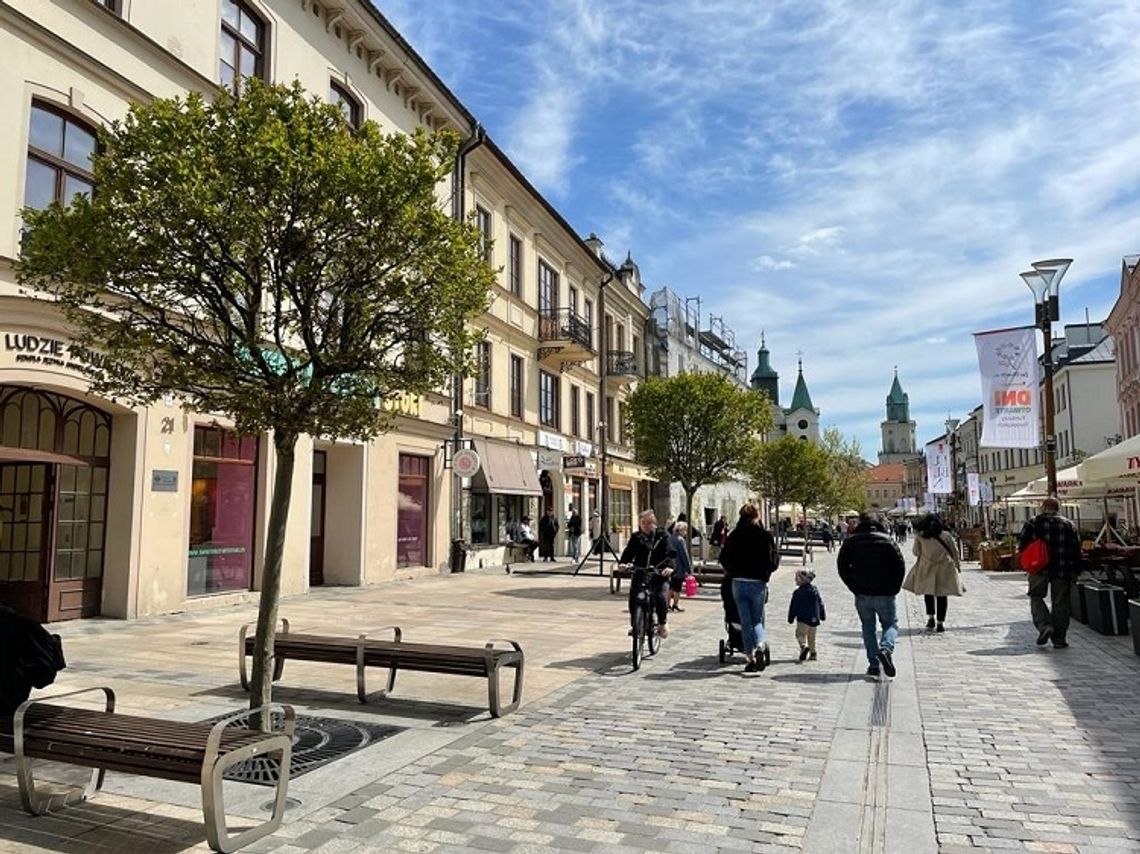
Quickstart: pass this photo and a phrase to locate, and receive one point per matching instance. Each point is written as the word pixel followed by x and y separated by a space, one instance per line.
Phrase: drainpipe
pixel 459 213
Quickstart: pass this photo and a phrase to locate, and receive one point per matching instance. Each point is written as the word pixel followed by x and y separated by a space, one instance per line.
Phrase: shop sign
pixel 466 462
pixel 27 349
pixel 548 459
pixel 163 480
pixel 551 440
pixel 584 448
pixel 573 461
pixel 211 551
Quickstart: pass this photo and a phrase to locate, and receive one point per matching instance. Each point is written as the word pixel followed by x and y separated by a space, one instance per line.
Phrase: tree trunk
pixel 807 538
pixel 261 684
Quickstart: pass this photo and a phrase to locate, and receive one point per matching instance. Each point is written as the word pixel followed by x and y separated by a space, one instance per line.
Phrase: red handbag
pixel 690 586
pixel 1034 557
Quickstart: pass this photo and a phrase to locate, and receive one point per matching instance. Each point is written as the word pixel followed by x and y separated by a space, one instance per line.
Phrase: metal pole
pixel 603 426
pixel 1050 439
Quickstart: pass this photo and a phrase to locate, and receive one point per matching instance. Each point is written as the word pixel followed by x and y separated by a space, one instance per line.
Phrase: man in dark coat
pixel 1055 579
pixel 574 532
pixel 547 530
pixel 29 658
pixel 872 567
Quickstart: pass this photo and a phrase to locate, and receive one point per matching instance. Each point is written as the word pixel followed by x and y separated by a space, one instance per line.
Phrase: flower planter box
pixel 1107 607
pixel 990 559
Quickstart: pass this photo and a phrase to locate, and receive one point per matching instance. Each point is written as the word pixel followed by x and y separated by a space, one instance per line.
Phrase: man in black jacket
pixel 650 556
pixel 1064 545
pixel 872 567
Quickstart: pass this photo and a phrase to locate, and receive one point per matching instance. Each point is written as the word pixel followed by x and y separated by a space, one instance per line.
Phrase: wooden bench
pixel 617 573
pixel 198 753
pixel 364 652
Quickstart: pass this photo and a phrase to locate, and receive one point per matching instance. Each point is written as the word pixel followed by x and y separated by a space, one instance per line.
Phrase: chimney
pixel 595 243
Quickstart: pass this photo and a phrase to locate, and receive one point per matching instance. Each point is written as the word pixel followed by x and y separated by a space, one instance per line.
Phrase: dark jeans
pixel 1059 590
pixel 658 585
pixel 940 601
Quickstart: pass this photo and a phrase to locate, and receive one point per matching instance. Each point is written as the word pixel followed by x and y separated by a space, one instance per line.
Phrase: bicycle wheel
pixel 651 630
pixel 638 635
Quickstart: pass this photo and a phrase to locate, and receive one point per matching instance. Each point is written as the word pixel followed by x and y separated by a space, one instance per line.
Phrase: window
pixel 111 5
pixel 483 374
pixel 621 508
pixel 622 435
pixel 608 331
pixel 547 288
pixel 637 353
pixel 548 400
pixel 590 417
pixel 243 45
pixel 588 316
pixel 412 510
pixel 573 299
pixel 349 106
pixel 483 223
pixel 516 266
pixel 575 411
pixel 610 418
pixel 59 158
pixel 516 386
pixel 619 337
pixel 223 501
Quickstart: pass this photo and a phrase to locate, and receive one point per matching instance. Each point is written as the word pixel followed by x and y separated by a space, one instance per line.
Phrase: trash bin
pixel 459 549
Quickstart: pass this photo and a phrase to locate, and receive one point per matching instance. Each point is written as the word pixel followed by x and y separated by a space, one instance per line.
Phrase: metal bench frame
pixel 214 766
pixel 492 666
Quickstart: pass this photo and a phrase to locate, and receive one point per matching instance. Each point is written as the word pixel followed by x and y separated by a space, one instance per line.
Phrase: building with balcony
pixel 683 339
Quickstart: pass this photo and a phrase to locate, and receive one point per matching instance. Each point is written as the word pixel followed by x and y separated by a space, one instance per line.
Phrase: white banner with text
pixel 1011 388
pixel 938 467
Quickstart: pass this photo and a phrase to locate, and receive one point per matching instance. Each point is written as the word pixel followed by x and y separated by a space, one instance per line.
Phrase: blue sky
pixel 863 179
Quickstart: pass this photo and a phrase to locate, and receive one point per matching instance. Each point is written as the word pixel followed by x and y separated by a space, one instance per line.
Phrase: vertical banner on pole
pixel 938 467
pixel 1011 387
pixel 986 491
pixel 973 488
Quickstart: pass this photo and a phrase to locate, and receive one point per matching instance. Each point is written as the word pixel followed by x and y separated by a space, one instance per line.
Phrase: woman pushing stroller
pixel 749 559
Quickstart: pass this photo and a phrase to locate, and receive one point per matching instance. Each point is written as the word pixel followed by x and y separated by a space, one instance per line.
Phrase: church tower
pixel 801 419
pixel 898 430
pixel 765 378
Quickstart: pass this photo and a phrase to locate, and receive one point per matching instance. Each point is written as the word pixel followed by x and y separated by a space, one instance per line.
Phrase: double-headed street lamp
pixel 1044 280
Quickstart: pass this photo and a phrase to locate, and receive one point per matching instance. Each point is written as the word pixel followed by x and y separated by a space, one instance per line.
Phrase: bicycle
pixel 644 620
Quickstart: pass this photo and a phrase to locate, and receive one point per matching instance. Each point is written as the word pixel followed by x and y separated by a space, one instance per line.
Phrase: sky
pixel 861 180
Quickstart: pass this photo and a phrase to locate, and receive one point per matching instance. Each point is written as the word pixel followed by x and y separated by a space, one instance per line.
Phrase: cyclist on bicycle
pixel 648 553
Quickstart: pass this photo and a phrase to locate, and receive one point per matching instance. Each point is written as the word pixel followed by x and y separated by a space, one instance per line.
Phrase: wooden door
pixel 25 536
pixel 317 524
pixel 75 582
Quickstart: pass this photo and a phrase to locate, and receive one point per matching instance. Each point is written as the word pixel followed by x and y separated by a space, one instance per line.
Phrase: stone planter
pixel 1107 607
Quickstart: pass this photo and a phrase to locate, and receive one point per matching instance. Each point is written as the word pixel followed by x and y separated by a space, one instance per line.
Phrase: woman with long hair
pixel 937 573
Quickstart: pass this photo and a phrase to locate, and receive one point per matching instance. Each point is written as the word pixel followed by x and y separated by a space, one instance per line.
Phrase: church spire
pixel 801 399
pixel 898 401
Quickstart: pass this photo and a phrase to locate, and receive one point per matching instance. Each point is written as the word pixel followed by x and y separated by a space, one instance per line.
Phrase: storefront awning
pixel 30 455
pixel 505 469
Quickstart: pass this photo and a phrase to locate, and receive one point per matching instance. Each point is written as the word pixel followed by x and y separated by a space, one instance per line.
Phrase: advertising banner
pixel 987 491
pixel 938 467
pixel 973 488
pixel 1011 387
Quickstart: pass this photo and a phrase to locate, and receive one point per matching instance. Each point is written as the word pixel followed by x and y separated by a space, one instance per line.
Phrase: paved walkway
pixel 982 742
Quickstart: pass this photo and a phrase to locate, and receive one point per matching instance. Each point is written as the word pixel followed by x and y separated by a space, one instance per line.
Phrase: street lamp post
pixel 1044 281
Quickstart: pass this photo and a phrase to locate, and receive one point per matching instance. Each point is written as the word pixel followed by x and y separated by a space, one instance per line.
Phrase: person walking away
pixel 682 565
pixel 649 547
pixel 749 559
pixel 1064 546
pixel 872 567
pixel 807 612
pixel 574 533
pixel 937 574
pixel 825 532
pixel 547 529
pixel 526 537
pixel 719 531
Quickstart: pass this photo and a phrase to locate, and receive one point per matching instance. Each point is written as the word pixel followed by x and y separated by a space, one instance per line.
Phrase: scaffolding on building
pixel 681 320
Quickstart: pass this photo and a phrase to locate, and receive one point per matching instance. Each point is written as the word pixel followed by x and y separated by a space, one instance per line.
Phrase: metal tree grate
pixel 316 742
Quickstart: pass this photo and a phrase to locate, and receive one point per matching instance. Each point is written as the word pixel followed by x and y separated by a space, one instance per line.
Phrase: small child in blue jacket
pixel 807 612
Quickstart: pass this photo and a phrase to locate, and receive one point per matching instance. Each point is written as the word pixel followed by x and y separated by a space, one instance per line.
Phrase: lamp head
pixel 1037 283
pixel 1053 270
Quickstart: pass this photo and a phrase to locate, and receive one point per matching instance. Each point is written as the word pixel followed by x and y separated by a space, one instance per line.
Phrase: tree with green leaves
pixel 786 470
pixel 695 429
pixel 258 258
pixel 847 474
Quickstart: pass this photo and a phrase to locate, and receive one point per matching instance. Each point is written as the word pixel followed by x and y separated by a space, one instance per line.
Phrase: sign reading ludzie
pixel 41 350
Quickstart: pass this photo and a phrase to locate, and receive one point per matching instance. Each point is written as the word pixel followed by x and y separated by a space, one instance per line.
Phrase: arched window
pixel 60 148
pixel 243 45
pixel 347 102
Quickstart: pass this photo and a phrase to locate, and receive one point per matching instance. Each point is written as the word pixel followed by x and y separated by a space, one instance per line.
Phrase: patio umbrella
pixel 1120 460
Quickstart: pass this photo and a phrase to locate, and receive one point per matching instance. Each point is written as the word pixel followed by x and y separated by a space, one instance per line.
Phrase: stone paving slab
pixel 982 743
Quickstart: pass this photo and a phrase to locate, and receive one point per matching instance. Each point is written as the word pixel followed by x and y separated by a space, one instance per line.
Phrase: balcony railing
pixel 564 324
pixel 621 363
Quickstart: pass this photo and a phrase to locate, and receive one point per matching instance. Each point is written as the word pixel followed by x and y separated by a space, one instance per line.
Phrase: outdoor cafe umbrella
pixel 1119 460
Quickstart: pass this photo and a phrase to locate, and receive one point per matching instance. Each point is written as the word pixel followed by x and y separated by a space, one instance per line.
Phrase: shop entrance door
pixel 317 523
pixel 25 536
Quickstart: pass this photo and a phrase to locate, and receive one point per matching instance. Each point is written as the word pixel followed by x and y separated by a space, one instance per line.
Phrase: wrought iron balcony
pixel 565 337
pixel 621 366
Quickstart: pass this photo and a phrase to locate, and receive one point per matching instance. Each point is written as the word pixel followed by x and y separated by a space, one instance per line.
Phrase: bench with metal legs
pixel 363 652
pixel 103 740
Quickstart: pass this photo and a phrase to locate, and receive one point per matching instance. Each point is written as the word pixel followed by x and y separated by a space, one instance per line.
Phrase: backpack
pixel 1034 557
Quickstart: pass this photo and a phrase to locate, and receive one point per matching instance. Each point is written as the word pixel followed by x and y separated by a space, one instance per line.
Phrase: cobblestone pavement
pixel 982 742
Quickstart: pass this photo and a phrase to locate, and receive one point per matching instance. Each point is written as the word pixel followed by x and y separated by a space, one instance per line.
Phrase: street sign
pixel 466 462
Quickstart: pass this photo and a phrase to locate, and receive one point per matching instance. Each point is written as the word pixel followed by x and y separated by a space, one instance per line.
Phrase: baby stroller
pixel 735 641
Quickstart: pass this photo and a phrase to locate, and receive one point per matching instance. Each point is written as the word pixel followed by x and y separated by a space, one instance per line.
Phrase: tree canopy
pixel 695 429
pixel 788 469
pixel 846 487
pixel 258 258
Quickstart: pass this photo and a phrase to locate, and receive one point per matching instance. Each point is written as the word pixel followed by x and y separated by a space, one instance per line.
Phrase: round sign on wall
pixel 466 462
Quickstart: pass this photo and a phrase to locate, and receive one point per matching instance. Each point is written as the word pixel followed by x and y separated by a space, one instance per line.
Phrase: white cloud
pixel 767 262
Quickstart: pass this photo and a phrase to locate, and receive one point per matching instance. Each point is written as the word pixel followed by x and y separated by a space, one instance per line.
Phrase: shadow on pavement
pixel 95 828
pixel 807 678
pixel 561 594
pixel 333 701
pixel 602 663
